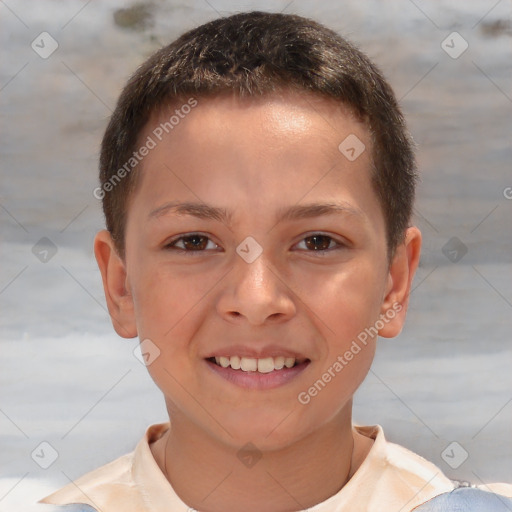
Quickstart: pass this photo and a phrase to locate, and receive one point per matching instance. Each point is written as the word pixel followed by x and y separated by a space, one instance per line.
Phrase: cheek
pixel 166 308
pixel 170 307
pixel 344 302
pixel 347 306
pixel 350 306
pixel 164 299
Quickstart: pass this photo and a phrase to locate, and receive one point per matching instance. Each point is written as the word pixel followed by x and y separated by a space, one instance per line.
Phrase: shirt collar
pixel 155 489
pixel 390 478
pixel 389 474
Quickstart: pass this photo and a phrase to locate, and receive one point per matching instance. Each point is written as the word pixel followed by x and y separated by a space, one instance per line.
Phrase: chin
pixel 266 431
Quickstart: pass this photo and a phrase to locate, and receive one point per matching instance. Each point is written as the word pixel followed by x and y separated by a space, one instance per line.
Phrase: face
pixel 253 240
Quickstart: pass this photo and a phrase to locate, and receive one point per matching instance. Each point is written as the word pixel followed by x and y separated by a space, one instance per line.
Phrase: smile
pixel 257 373
pixel 261 365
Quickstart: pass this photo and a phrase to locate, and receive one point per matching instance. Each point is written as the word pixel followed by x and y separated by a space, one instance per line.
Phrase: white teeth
pixel 278 362
pixel 224 361
pixel 250 364
pixel 266 365
pixel 289 362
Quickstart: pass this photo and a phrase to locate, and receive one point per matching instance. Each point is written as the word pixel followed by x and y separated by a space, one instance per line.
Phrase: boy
pixel 257 180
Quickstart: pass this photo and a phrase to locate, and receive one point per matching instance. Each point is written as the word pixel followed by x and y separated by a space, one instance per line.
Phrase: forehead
pixel 275 148
pixel 290 114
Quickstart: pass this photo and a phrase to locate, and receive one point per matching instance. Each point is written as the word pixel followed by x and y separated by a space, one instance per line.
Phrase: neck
pixel 212 476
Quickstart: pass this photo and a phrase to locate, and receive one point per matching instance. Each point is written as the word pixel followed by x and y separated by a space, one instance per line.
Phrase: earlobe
pixel 401 273
pixel 113 274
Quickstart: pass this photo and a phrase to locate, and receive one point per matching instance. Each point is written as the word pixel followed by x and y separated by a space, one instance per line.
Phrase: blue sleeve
pixel 76 507
pixel 467 499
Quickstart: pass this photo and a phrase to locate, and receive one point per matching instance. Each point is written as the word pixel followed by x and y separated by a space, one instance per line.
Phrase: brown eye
pixel 318 242
pixel 194 242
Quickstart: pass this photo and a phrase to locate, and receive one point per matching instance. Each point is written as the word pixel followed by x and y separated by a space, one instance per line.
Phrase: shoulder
pixel 420 486
pixel 76 507
pixel 410 462
pixel 77 493
pixel 468 499
pixel 411 465
pixel 126 483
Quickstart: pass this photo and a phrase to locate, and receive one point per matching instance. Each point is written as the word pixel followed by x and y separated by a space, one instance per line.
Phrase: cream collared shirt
pixel 391 478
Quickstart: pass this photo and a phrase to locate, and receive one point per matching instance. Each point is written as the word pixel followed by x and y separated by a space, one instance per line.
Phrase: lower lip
pixel 257 380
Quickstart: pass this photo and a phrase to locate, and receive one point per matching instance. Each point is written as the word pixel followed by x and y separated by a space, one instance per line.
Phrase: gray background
pixel 67 378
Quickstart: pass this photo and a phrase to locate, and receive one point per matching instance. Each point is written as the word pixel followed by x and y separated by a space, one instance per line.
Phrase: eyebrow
pixel 295 212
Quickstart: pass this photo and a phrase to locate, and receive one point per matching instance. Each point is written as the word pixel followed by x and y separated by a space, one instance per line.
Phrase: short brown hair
pixel 257 53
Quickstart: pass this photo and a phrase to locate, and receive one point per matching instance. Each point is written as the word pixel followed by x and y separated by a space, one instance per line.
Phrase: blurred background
pixel 443 388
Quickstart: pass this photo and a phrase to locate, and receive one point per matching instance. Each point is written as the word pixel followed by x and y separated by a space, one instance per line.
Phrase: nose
pixel 255 292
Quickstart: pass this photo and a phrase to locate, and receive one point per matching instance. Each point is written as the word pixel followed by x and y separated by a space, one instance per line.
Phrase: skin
pixel 254 157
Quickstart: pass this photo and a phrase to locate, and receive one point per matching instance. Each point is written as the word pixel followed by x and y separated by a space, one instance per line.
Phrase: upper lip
pixel 255 353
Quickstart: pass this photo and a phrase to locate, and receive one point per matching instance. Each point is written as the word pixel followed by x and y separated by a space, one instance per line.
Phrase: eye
pixel 318 242
pixel 193 242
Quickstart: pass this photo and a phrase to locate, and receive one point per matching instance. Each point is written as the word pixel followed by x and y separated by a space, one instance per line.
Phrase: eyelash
pixel 320 252
pixel 171 244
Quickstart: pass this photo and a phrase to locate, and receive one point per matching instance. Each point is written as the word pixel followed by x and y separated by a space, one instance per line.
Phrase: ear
pixel 115 284
pixel 401 273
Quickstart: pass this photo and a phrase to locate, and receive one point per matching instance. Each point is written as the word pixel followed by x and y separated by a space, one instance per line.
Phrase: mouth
pixel 261 365
pixel 257 373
